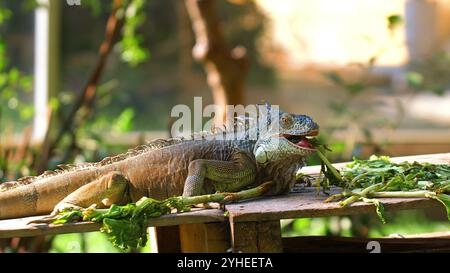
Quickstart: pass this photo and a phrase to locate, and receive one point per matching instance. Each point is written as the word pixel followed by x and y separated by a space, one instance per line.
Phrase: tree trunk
pixel 226 69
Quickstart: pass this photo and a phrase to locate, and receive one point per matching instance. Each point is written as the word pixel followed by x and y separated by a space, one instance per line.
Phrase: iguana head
pixel 288 140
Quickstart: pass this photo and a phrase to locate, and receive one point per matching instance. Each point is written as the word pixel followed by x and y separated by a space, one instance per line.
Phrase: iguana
pixel 171 167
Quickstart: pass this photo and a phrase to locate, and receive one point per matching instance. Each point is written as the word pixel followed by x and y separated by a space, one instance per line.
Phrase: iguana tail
pixel 39 195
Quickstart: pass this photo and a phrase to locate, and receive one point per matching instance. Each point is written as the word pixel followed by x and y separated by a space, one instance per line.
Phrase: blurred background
pixel 80 80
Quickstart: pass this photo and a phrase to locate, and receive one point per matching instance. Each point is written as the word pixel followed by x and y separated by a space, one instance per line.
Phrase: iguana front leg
pixel 102 192
pixel 233 175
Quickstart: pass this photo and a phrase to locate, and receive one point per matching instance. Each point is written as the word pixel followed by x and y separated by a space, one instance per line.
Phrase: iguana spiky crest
pixel 239 126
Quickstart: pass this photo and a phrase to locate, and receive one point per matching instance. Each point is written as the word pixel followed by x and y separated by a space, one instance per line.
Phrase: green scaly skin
pixel 166 168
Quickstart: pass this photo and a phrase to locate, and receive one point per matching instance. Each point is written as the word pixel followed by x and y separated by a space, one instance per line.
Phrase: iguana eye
pixel 286 121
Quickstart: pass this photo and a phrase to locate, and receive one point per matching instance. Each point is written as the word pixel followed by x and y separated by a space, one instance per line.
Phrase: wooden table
pixel 251 226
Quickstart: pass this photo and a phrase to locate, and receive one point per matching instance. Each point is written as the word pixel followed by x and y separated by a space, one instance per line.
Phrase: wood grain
pixel 20 228
pixel 306 203
pixel 443 158
pixel 166 239
pixel 330 244
pixel 204 238
pixel 256 237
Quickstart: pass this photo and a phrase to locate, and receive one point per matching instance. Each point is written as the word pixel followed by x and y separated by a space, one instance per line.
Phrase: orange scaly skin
pixel 166 168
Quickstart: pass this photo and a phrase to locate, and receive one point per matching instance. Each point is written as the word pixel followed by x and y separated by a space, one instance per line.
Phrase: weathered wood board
pixel 305 203
pixel 430 243
pixel 308 203
pixel 20 228
pixel 443 158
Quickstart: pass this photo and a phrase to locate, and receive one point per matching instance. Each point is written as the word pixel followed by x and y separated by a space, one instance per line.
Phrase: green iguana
pixel 172 167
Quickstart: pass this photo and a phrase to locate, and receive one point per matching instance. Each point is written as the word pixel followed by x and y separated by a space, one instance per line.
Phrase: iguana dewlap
pixel 166 168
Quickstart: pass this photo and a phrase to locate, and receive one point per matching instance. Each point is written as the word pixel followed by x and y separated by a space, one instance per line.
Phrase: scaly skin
pixel 167 168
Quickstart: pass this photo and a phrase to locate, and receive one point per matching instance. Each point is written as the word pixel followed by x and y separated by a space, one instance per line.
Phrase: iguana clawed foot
pixel 102 192
pixel 55 213
pixel 209 205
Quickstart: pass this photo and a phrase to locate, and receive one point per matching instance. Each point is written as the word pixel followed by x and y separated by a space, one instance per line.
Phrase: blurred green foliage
pixel 150 90
pixel 92 242
pixel 15 85
pixel 394 21
pixel 430 74
pixel 424 76
pixel 131 50
pixel 16 107
pixel 402 222
pixel 130 45
pixel 427 75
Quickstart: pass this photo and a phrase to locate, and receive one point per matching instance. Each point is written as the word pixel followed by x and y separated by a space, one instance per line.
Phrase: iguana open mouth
pixel 302 141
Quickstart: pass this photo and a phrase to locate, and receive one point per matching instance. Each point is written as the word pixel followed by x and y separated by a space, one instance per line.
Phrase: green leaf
pixel 5 14
pixel 125 234
pixel 334 77
pixel 54 103
pixel 438 90
pixel 445 200
pixel 368 136
pixel 68 216
pixel 26 83
pixel 13 75
pixel 26 112
pixel 94 5
pixel 3 59
pixel 131 48
pixel 414 79
pixel 354 88
pixel 394 21
pixel 30 5
pixel 338 107
pixel 124 122
pixel 378 207
pixel 3 79
pixel 372 60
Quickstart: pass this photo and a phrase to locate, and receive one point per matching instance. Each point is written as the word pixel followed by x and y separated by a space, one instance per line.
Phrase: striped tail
pixel 41 195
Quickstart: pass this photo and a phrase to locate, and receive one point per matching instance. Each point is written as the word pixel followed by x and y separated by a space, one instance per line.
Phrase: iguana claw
pixel 44 220
pixel 55 214
pixel 209 205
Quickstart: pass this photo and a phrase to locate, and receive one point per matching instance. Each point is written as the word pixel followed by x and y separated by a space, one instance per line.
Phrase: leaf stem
pixel 225 197
pixel 320 153
pixel 363 193
pixel 401 194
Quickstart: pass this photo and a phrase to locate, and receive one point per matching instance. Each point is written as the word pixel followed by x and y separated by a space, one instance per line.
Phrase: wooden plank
pixel 316 244
pixel 204 238
pixel 19 228
pixel 256 237
pixel 165 239
pixel 308 203
pixel 404 149
pixel 442 234
pixel 443 158
pixel 399 136
pixel 304 204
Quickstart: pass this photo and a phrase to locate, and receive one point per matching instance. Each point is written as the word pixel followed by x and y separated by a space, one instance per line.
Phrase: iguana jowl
pixel 165 168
